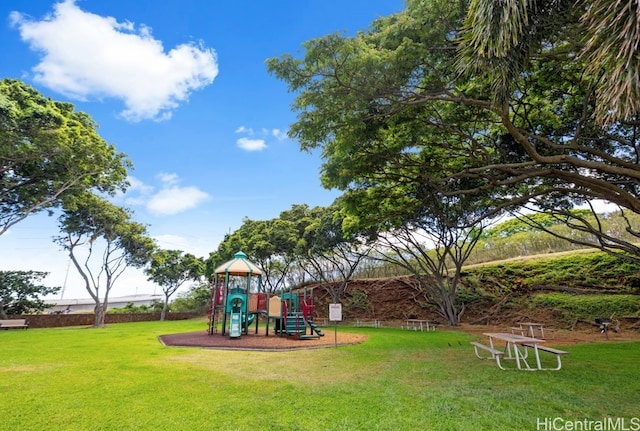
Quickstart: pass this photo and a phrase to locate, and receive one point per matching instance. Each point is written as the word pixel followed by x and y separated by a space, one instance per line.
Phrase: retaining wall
pixel 60 320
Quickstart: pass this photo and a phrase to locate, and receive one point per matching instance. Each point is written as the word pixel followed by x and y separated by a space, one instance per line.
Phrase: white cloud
pixel 245 130
pixel 168 179
pixel 88 56
pixel 138 186
pixel 135 192
pixel 170 199
pixel 173 200
pixel 279 134
pixel 258 144
pixel 251 144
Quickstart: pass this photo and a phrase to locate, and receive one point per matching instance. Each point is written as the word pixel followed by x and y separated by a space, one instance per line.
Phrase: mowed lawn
pixel 122 378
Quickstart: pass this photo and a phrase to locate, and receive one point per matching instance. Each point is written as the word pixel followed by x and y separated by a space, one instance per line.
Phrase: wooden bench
pixel 14 323
pixel 495 353
pixel 547 349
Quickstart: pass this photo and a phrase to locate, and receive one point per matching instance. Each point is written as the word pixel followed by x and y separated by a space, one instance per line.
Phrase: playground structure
pixel 237 302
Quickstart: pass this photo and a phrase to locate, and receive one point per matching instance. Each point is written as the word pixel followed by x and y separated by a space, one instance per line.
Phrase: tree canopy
pixel 49 151
pixel 271 245
pixel 268 244
pixel 328 252
pixel 171 269
pixel 399 108
pixel 20 292
pixel 504 35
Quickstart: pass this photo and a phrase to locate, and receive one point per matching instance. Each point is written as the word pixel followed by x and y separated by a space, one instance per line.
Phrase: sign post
pixel 335 316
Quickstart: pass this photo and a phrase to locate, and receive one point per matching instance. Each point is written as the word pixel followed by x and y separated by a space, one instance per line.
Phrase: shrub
pixel 589 307
pixel 155 307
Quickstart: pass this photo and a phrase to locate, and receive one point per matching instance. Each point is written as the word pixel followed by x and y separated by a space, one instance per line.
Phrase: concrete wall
pixel 87 305
pixel 60 320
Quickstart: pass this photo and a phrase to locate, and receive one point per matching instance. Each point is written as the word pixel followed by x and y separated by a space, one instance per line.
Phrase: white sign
pixel 335 312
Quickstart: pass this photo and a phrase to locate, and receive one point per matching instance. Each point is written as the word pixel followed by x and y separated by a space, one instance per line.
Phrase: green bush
pixel 196 299
pixel 589 306
pixel 587 269
pixel 155 307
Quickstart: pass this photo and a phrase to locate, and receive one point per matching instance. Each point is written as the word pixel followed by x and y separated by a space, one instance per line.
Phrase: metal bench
pixel 556 352
pixel 495 353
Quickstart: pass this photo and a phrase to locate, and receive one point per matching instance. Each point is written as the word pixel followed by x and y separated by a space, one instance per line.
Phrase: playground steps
pixel 315 329
pixel 296 324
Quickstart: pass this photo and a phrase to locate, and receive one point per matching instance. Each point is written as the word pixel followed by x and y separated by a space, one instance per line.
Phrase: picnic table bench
pixel 419 324
pixel 548 349
pixel 375 323
pixel 495 353
pixel 13 323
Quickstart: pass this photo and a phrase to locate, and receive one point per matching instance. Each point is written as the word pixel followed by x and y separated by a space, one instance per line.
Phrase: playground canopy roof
pixel 239 265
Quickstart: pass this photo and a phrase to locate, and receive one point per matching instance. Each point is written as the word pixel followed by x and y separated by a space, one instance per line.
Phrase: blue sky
pixel 181 87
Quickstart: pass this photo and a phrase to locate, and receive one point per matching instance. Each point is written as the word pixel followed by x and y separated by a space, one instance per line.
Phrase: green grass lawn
pixel 123 378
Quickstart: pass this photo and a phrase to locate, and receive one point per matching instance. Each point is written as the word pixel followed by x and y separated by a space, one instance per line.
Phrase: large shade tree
pixel 102 241
pixel 428 234
pixel 49 151
pixel 171 269
pixel 396 94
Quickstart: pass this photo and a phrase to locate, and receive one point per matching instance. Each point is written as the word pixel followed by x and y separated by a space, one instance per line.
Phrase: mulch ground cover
pixel 259 341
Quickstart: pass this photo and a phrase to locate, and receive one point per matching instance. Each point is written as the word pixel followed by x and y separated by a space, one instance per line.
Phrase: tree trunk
pixel 450 312
pixel 100 311
pixel 163 313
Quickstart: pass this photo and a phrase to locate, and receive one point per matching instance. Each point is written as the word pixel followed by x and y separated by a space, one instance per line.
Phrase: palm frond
pixel 495 27
pixel 611 50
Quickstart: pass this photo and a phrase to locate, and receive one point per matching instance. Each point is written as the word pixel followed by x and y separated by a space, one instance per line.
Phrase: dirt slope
pixel 393 300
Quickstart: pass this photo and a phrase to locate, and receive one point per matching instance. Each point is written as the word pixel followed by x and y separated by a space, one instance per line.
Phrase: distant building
pixel 86 305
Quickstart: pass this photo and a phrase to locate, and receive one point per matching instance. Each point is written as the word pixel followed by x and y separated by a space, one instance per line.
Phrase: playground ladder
pixel 214 321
